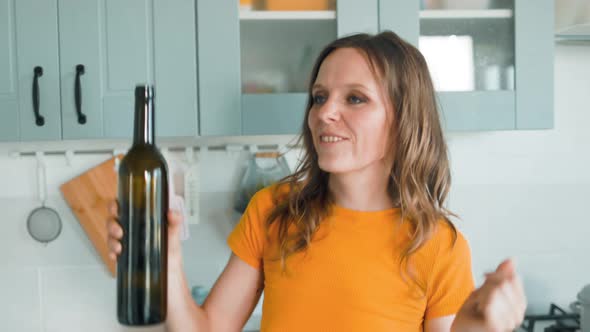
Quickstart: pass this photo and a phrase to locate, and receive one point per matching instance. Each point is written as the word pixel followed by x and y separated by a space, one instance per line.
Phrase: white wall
pixel 520 194
pixel 525 194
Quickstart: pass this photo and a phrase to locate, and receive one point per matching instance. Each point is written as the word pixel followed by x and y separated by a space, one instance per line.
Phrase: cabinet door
pixel 80 59
pixel 278 47
pixel 219 67
pixel 491 61
pixel 535 48
pixel 175 62
pixel 9 128
pixel 122 44
pixel 37 51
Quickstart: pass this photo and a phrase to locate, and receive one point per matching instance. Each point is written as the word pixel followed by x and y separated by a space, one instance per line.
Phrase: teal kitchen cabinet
pixel 253 71
pixel 491 61
pixel 29 71
pixel 92 54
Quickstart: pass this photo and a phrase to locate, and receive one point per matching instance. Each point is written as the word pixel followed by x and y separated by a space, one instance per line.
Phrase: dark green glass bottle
pixel 143 205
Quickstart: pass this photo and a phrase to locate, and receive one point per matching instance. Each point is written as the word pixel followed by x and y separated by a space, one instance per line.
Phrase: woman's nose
pixel 329 112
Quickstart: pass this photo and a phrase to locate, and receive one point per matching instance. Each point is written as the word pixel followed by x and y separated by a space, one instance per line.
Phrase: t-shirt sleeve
pixel 247 239
pixel 451 279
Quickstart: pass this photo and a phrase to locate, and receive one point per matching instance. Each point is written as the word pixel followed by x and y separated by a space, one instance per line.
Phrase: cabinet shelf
pixel 580 32
pixel 288 15
pixel 331 15
pixel 466 14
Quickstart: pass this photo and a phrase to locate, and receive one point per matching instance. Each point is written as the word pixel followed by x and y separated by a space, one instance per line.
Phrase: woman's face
pixel 349 118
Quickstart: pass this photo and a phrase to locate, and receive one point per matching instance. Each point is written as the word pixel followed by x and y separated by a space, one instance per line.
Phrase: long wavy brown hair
pixel 420 178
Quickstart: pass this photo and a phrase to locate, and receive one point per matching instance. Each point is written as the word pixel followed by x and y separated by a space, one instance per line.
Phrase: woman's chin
pixel 332 166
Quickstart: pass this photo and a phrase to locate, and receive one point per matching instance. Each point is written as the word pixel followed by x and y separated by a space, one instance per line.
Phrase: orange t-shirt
pixel 349 279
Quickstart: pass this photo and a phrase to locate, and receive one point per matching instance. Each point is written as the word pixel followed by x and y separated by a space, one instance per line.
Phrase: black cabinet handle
pixel 37 72
pixel 78 94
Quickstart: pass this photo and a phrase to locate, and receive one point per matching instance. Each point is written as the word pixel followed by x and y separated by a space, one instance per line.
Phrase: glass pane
pixel 280 39
pixel 468 44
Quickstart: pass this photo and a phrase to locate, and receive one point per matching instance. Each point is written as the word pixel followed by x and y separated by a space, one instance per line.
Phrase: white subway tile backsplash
pixel 18 248
pixel 20 307
pixel 553 278
pixel 544 228
pixel 82 299
pixel 525 219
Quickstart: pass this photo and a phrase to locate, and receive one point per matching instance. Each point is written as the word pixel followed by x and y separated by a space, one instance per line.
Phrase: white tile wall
pixel 20 304
pixel 522 194
pixel 16 239
pixel 544 227
pixel 71 297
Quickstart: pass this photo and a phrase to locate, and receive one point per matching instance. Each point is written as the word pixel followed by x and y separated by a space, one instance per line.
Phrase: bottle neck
pixel 144 116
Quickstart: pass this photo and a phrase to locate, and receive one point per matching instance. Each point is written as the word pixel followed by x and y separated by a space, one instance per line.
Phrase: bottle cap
pixel 144 91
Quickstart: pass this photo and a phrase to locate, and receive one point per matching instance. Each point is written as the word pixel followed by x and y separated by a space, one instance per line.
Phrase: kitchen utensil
pixel 192 187
pixel 177 171
pixel 584 298
pixel 264 168
pixel 88 195
pixel 43 223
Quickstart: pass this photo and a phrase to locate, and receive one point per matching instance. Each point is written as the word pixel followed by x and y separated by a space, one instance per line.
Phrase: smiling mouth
pixel 331 139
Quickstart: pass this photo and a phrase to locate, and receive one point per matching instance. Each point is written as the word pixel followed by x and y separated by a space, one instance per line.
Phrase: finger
pixel 501 303
pixel 512 304
pixel 486 294
pixel 521 296
pixel 114 246
pixel 514 290
pixel 495 278
pixel 494 309
pixel 114 207
pixel 175 218
pixel 112 256
pixel 507 267
pixel 115 230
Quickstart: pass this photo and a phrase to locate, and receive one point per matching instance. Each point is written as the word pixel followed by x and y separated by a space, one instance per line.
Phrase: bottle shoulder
pixel 143 158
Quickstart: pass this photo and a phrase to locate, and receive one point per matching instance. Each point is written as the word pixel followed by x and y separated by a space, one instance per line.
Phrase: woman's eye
pixel 355 99
pixel 318 99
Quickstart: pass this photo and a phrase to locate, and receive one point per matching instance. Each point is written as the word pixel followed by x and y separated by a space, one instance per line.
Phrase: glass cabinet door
pixel 468 45
pixel 491 61
pixel 255 59
pixel 279 40
pixel 469 48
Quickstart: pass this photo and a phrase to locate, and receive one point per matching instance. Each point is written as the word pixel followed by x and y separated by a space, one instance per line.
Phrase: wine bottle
pixel 143 205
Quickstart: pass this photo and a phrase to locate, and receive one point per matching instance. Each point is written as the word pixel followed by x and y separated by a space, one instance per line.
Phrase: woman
pixel 357 239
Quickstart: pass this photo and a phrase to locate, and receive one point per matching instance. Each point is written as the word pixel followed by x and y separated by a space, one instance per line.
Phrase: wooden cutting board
pixel 89 195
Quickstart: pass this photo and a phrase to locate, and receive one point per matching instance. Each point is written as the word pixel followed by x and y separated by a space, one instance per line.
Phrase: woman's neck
pixel 362 190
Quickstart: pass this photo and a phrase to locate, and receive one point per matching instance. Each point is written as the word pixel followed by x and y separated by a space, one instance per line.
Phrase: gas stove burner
pixel 564 321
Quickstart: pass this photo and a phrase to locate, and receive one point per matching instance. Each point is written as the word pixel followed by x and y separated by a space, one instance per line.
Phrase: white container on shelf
pixel 457 4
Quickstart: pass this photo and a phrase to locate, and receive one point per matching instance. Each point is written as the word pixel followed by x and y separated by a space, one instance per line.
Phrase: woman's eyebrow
pixel 349 85
pixel 357 86
pixel 317 86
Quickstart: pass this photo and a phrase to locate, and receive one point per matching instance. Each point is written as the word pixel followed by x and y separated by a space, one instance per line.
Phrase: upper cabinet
pixel 68 68
pixel 71 67
pixel 491 60
pixel 254 71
